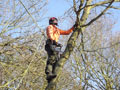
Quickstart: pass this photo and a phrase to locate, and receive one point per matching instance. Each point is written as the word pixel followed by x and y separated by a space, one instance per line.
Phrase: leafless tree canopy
pixel 90 61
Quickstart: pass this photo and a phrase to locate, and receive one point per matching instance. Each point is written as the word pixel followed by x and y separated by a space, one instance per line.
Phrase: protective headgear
pixel 53 20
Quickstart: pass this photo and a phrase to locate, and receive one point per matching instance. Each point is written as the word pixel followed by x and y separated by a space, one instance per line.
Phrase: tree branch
pixel 31 17
pixel 102 13
pixel 112 7
pixel 102 48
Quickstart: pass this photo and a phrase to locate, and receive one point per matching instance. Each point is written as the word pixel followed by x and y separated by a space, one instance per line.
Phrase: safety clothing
pixel 53 33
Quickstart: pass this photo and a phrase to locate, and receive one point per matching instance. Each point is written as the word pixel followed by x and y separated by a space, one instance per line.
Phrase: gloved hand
pixel 75 25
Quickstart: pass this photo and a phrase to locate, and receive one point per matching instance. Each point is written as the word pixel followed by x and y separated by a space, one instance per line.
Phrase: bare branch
pixel 113 7
pixel 74 6
pixel 31 17
pixel 103 47
pixel 102 13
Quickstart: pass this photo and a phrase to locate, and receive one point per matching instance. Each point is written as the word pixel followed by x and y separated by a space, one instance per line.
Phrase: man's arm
pixel 62 32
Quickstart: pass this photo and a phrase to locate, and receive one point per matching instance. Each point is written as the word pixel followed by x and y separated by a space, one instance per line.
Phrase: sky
pixel 56 8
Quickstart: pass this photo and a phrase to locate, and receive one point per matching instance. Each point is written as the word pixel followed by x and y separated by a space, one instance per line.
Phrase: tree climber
pixel 53 34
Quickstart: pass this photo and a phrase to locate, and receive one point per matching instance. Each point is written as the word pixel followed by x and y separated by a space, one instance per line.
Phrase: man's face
pixel 55 22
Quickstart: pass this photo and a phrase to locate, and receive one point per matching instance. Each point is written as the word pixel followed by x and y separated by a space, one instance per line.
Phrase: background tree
pixel 21 49
pixel 91 58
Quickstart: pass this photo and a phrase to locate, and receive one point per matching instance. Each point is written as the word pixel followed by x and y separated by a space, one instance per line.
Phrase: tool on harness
pixel 53 46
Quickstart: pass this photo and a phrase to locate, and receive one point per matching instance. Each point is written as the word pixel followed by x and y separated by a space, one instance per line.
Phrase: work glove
pixel 75 25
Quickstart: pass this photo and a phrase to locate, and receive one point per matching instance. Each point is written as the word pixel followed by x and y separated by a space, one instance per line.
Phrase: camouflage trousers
pixel 53 57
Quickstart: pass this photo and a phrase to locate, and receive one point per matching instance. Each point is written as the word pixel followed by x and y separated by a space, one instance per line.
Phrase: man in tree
pixel 53 34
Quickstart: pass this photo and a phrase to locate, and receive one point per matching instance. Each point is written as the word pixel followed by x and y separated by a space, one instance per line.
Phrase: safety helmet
pixel 53 20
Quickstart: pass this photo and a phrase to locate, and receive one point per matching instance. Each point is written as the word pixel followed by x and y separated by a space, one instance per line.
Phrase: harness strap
pixel 53 45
